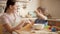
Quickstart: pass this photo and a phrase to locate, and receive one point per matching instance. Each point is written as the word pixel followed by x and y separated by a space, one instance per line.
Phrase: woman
pixel 10 20
pixel 42 16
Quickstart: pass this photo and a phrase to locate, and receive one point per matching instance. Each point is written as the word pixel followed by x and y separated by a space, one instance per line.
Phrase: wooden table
pixel 36 32
pixel 27 30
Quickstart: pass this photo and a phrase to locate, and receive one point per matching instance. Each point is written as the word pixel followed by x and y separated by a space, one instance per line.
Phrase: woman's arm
pixel 8 26
pixel 28 25
pixel 20 25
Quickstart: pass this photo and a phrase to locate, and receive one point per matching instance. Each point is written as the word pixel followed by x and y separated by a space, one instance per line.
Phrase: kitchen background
pixel 29 6
pixel 25 6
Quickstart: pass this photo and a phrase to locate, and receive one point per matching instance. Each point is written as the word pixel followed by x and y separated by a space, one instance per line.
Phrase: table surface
pixel 35 32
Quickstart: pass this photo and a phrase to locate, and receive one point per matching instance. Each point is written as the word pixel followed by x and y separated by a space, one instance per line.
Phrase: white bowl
pixel 38 26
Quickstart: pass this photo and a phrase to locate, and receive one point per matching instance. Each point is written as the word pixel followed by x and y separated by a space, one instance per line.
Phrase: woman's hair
pixel 9 2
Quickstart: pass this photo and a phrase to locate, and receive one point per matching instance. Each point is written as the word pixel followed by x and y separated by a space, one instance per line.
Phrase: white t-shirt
pixel 12 21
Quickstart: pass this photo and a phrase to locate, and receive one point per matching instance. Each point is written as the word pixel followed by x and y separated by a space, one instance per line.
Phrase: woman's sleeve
pixel 6 21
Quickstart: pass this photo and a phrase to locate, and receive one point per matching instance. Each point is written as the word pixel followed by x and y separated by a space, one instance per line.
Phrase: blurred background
pixel 52 6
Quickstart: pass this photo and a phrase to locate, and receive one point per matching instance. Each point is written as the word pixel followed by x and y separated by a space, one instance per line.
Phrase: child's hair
pixel 40 8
